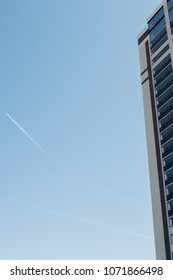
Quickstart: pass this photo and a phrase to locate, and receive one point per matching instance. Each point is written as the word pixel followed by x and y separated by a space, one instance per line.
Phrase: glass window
pixel 171 238
pixel 168 163
pixel 160 54
pixel 158 38
pixel 169 192
pixel 165 96
pixel 159 44
pixel 162 65
pixel 156 18
pixel 165 109
pixel 163 75
pixel 171 222
pixel 157 29
pixel 170 4
pixel 171 24
pixel 167 148
pixel 167 135
pixel 169 179
pixel 171 14
pixel 170 208
pixel 164 85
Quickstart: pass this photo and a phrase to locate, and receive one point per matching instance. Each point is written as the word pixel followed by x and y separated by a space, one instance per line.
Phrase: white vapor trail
pixel 98 188
pixel 80 220
pixel 27 134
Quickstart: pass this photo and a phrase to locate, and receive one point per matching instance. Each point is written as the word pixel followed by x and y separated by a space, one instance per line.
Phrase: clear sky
pixel 74 171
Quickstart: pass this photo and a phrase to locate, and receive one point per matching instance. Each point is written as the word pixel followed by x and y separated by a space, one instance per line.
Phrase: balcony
pixel 169 177
pixel 169 196
pixel 165 109
pixel 158 38
pixel 166 135
pixel 162 41
pixel 168 162
pixel 167 148
pixel 163 75
pixel 170 212
pixel 166 121
pixel 165 97
pixel 164 85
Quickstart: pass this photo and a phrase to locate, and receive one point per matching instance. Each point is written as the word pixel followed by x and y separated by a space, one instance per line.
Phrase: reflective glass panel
pixel 156 18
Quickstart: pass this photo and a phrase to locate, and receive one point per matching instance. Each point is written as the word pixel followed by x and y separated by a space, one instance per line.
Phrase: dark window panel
pixel 171 14
pixel 166 121
pixel 162 41
pixel 164 85
pixel 169 178
pixel 169 192
pixel 170 4
pixel 171 23
pixel 162 76
pixel 170 208
pixel 157 17
pixel 158 38
pixel 165 109
pixel 168 162
pixel 166 135
pixel 171 221
pixel 165 97
pixel 160 53
pixel 162 65
pixel 167 148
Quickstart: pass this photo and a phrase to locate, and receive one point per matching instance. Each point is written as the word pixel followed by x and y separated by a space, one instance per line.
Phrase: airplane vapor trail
pixel 27 134
pixel 80 220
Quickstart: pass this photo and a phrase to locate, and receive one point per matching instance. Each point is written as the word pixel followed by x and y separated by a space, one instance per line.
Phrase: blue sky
pixel 70 79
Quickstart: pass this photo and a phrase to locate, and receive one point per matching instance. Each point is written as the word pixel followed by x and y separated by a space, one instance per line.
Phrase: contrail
pixel 80 220
pixel 27 134
pixel 98 188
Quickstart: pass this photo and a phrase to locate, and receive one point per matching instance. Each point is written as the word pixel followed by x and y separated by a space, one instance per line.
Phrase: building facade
pixel 156 62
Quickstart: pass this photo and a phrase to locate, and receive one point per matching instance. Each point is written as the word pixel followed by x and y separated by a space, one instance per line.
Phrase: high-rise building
pixel 156 63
